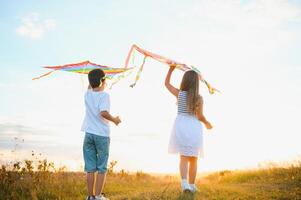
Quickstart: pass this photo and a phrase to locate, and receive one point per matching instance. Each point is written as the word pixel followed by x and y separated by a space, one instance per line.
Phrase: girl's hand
pixel 117 120
pixel 208 125
pixel 172 66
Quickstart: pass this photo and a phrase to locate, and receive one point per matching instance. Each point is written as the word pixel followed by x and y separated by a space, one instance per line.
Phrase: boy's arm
pixel 104 108
pixel 200 114
pixel 108 116
pixel 170 87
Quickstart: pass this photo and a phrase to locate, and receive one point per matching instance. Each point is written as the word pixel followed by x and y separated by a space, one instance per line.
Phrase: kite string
pixel 82 79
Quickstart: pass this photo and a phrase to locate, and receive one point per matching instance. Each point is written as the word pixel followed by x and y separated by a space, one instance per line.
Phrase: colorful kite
pixel 162 59
pixel 85 67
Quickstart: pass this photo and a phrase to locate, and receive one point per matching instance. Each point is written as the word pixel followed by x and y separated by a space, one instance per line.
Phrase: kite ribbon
pixel 181 66
pixel 139 72
pixel 46 74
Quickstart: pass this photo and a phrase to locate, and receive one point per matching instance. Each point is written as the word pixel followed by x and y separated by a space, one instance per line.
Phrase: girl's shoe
pixel 186 187
pixel 101 197
pixel 193 188
pixel 90 198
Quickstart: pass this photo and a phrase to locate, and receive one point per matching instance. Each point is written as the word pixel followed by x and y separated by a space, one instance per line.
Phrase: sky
pixel 249 50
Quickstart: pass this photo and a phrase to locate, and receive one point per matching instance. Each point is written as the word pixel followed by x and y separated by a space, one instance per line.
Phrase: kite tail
pixel 210 88
pixel 126 73
pixel 123 75
pixel 139 72
pixel 43 75
pixel 180 66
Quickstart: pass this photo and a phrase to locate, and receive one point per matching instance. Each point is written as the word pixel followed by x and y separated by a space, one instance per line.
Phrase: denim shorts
pixel 96 153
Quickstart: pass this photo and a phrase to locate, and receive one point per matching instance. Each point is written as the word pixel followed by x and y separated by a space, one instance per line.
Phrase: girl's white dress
pixel 187 133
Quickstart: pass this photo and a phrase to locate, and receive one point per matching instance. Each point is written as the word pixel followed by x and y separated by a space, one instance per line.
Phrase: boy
pixel 97 133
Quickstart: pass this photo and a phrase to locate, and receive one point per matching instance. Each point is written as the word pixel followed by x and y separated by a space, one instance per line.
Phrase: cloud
pixel 11 131
pixel 33 27
pixel 258 14
pixel 235 32
pixel 18 141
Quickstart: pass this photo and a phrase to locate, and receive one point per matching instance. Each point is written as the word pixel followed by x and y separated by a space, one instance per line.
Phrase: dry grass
pixel 43 181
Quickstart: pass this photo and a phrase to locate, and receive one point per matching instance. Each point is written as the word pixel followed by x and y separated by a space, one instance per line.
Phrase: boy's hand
pixel 117 120
pixel 208 125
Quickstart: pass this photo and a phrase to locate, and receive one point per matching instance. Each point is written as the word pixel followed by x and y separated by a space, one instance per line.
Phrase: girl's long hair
pixel 190 84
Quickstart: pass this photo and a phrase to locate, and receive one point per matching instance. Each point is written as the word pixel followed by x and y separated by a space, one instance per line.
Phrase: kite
pixel 85 67
pixel 181 66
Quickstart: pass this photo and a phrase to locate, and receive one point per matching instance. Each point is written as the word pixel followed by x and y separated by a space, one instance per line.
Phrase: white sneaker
pixel 90 198
pixel 101 197
pixel 185 186
pixel 193 188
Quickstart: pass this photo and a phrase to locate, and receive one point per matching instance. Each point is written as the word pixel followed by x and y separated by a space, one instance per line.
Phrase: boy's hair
pixel 190 84
pixel 95 76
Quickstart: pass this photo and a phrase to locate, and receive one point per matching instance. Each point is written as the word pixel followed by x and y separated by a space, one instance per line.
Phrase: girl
pixel 187 134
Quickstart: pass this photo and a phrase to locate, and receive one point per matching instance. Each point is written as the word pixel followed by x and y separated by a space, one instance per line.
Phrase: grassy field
pixel 44 181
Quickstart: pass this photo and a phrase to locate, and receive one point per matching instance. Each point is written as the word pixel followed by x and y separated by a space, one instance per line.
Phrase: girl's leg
pixel 193 165
pixel 183 171
pixel 183 166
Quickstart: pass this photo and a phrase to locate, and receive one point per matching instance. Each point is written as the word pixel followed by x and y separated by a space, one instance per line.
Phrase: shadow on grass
pixel 187 196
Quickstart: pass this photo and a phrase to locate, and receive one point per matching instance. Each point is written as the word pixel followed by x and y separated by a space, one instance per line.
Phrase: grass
pixel 43 181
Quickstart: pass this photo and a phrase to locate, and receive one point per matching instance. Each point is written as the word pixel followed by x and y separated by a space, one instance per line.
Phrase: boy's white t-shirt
pixel 94 123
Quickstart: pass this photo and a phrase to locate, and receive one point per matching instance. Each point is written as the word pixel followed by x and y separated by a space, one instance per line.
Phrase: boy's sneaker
pixel 185 186
pixel 90 198
pixel 101 197
pixel 193 188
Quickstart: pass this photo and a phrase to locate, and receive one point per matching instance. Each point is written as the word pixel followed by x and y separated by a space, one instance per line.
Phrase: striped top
pixel 182 102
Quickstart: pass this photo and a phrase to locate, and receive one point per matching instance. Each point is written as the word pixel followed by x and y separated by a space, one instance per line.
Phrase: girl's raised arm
pixel 170 87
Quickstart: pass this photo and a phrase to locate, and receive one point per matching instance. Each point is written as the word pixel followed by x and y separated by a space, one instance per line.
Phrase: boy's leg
pixel 100 182
pixel 102 148
pixel 90 157
pixel 193 165
pixel 183 166
pixel 90 183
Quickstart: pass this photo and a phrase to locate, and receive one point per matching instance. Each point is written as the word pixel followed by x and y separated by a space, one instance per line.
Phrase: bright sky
pixel 250 50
